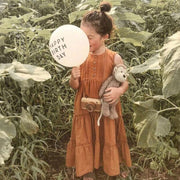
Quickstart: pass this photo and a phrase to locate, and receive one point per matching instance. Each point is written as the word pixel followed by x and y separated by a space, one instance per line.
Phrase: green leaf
pixel 128 16
pixel 158 3
pixel 27 123
pixel 45 33
pixel 7 133
pixel 163 126
pixel 149 124
pixel 44 18
pixel 76 15
pixel 151 64
pixel 5 148
pixel 140 109
pixel 146 136
pixel 115 2
pixel 10 22
pixel 22 72
pixel 5 68
pixel 86 4
pixel 170 62
pixel 13 24
pixel 27 17
pixel 129 3
pixel 136 38
pixel 7 126
pixel 25 74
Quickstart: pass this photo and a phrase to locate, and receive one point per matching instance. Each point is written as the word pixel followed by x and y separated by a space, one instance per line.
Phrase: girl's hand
pixel 75 73
pixel 74 80
pixel 112 94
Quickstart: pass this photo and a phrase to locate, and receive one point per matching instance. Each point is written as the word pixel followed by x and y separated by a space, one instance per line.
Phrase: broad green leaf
pixel 136 38
pixel 25 74
pixel 149 124
pixel 38 32
pixel 171 78
pixel 170 62
pixel 86 4
pixel 76 15
pixel 27 123
pixel 151 64
pixel 27 17
pixel 172 45
pixel 13 24
pixel 44 18
pixel 128 16
pixel 10 22
pixel 146 136
pixel 7 133
pixel 129 3
pixel 5 147
pixel 7 126
pixel 141 110
pixel 158 3
pixel 163 126
pixel 45 33
pixel 5 68
pixel 115 2
pixel 22 72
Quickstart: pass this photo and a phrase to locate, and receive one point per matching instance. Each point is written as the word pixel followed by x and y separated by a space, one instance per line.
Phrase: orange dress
pixel 90 145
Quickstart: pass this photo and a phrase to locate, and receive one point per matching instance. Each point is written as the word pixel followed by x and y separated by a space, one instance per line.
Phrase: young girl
pixel 90 145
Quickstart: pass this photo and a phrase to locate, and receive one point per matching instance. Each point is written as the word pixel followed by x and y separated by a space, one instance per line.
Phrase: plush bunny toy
pixel 119 75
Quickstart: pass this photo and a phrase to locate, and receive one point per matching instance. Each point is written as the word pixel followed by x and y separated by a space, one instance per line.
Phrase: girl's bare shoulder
pixel 118 59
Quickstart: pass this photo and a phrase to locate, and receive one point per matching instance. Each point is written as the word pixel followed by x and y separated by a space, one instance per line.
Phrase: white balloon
pixel 69 45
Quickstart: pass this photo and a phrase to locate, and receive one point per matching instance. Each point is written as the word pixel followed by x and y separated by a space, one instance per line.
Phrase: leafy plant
pixel 41 114
pixel 7 132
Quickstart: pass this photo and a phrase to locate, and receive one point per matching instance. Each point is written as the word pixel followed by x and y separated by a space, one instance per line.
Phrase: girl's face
pixel 96 41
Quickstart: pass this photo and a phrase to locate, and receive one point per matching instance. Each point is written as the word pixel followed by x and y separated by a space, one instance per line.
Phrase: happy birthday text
pixel 57 48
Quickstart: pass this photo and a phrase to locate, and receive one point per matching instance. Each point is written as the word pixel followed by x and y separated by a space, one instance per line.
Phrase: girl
pixel 92 146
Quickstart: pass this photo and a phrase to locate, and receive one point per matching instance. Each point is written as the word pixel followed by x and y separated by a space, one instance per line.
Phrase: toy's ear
pixel 119 66
pixel 115 69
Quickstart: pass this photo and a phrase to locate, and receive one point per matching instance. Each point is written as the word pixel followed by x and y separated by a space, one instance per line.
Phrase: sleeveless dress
pixel 90 145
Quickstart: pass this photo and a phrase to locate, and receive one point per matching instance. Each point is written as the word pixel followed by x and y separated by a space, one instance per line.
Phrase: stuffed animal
pixel 119 76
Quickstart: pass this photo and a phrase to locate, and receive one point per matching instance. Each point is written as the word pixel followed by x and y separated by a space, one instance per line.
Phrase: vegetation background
pixel 36 102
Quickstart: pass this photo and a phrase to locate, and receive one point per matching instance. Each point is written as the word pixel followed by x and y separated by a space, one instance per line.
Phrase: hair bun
pixel 105 7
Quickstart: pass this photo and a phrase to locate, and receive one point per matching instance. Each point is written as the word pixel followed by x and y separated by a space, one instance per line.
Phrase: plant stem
pixel 168 109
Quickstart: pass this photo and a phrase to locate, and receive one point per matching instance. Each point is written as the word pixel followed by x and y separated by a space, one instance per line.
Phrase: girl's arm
pixel 124 86
pixel 74 79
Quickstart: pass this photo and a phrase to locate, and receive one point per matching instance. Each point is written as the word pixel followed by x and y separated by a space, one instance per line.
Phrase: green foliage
pixel 170 63
pixel 7 133
pixel 150 124
pixel 40 116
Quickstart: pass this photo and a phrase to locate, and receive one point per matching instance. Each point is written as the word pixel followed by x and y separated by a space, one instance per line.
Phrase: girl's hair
pixel 100 20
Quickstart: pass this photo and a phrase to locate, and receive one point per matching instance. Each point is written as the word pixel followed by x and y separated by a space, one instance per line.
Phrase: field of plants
pixel 36 102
